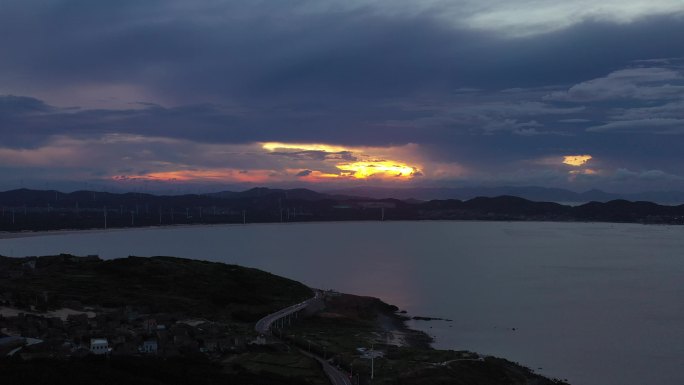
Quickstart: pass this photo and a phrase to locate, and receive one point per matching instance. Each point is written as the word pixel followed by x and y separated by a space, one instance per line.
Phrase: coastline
pixel 396 324
pixel 348 331
pixel 351 329
pixel 67 231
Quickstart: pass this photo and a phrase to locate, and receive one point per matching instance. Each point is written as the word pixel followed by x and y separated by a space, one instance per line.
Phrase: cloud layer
pixel 457 92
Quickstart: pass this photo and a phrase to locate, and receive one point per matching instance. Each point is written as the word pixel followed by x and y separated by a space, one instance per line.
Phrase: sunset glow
pixel 217 175
pixel 314 175
pixel 363 170
pixel 317 94
pixel 576 160
pixel 277 146
pixel 586 171
pixel 365 162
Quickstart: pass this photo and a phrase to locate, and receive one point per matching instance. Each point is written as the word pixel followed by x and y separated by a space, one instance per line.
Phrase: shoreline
pixel 396 323
pixel 395 340
pixel 40 233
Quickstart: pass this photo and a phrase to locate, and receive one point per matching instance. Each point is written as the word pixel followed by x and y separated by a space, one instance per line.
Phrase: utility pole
pixel 372 362
pixel 244 217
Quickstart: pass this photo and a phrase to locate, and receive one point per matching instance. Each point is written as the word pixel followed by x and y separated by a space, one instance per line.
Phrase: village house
pixel 99 346
pixel 149 347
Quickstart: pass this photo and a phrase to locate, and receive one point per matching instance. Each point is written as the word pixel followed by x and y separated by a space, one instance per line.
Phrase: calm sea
pixel 598 304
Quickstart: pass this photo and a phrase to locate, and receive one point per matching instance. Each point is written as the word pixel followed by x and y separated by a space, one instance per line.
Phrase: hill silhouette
pixel 33 210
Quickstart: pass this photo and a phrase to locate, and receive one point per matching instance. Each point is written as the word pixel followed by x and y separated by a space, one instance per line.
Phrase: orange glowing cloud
pixel 586 171
pixel 383 168
pixel 213 175
pixel 278 146
pixel 576 160
pixel 358 163
pixel 313 175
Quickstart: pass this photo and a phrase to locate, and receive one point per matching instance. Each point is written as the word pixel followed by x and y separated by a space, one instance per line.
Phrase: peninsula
pixel 165 320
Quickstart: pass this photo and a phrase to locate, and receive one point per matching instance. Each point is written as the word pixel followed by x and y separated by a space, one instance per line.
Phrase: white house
pixel 149 346
pixel 99 346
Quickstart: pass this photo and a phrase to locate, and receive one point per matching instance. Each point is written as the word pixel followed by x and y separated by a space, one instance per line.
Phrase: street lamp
pixel 372 362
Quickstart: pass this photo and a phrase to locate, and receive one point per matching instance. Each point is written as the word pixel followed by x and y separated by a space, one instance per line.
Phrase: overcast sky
pixel 221 94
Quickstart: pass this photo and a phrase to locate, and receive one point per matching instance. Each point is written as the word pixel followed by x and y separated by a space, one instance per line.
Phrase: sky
pixel 179 95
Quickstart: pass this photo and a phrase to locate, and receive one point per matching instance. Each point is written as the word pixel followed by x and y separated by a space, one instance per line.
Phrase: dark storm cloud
pixel 635 83
pixel 28 122
pixel 316 155
pixel 18 106
pixel 643 126
pixel 239 72
pixel 268 50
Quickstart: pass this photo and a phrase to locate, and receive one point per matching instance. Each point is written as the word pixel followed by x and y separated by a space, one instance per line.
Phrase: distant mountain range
pixel 26 210
pixel 534 193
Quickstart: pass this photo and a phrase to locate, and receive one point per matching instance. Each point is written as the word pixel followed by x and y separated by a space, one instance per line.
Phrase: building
pixel 149 347
pixel 99 346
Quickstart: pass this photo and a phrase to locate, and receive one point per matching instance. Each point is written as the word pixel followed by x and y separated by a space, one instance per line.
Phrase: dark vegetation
pixel 200 316
pixel 51 210
pixel 131 371
pixel 158 284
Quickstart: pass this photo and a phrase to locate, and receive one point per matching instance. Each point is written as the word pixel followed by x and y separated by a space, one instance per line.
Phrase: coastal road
pixel 336 376
pixel 263 325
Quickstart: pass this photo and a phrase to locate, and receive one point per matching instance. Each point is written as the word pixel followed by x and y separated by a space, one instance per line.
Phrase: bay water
pixel 593 303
